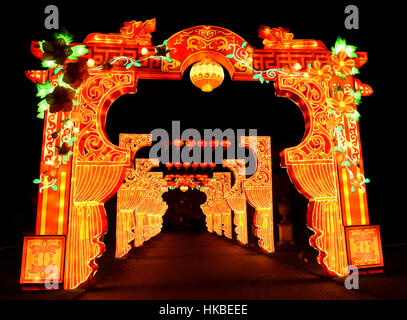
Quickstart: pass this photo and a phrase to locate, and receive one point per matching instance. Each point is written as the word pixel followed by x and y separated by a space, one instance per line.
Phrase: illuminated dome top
pixel 207 75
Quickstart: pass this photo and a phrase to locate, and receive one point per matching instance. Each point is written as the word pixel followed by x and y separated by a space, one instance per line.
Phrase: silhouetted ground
pixel 181 266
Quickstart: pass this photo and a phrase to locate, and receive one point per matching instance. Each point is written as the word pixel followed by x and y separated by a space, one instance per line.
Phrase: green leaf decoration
pixel 261 79
pixel 366 180
pixel 54 187
pixel 244 44
pixel 36 181
pixel 168 59
pixel 165 42
pixel 256 76
pixel 44 89
pixel 70 142
pixel 355 116
pixel 40 115
pixel 356 95
pixel 352 189
pixel 61 81
pixel 341 45
pixel 354 71
pixel 48 64
pixel 65 121
pixel 43 105
pixel 129 65
pixel 338 148
pixel 345 163
pixel 229 56
pixel 340 75
pixel 78 51
pixel 64 34
pixel 339 128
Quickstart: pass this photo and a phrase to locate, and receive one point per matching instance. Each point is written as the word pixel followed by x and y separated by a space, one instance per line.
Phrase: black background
pixel 382 120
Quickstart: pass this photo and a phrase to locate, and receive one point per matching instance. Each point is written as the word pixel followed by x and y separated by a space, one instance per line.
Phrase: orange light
pixel 214 143
pixel 226 143
pixel 178 143
pixel 207 75
pixel 202 143
pixel 90 63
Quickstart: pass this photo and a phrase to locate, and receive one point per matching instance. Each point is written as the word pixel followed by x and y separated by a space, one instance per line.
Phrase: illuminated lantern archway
pixel 326 167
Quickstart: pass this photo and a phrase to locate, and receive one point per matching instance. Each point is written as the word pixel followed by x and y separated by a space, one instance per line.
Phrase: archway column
pixel 97 173
pixel 236 199
pixel 258 190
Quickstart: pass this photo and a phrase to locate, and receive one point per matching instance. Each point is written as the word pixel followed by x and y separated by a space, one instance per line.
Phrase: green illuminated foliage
pixel 48 64
pixel 44 89
pixel 64 34
pixel 356 95
pixel 78 51
pixel 355 116
pixel 341 45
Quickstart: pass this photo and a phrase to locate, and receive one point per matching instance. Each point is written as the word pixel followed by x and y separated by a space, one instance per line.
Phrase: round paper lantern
pixel 169 165
pixel 178 165
pixel 202 143
pixel 226 143
pixel 178 143
pixel 207 75
pixel 183 188
pixel 190 143
pixel 212 165
pixel 214 143
pixel 195 165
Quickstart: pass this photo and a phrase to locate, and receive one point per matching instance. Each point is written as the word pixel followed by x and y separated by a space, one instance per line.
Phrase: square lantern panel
pixel 43 261
pixel 364 247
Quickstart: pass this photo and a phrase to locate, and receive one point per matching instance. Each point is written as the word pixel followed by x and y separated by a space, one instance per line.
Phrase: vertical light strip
pixel 44 210
pixel 361 203
pixel 346 197
pixel 61 203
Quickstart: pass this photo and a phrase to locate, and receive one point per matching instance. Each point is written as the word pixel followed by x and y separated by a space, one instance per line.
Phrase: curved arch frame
pixel 97 167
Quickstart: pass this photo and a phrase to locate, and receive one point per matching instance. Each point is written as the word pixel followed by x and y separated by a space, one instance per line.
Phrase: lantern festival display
pixel 80 169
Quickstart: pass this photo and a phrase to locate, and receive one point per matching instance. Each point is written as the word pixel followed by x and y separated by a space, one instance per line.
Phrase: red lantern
pixel 226 143
pixel 212 165
pixel 190 143
pixel 195 165
pixel 187 165
pixel 177 165
pixel 202 143
pixel 169 165
pixel 204 165
pixel 214 143
pixel 178 143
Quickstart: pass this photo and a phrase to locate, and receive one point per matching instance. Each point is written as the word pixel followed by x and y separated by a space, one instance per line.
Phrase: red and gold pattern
pixel 40 253
pixel 97 168
pixel 236 198
pixel 364 246
pixel 132 33
pixel 258 190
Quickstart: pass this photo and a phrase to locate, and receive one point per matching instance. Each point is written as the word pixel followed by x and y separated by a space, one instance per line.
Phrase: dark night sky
pixel 229 106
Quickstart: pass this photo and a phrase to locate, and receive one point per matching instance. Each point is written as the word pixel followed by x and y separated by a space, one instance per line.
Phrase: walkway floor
pixel 181 266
